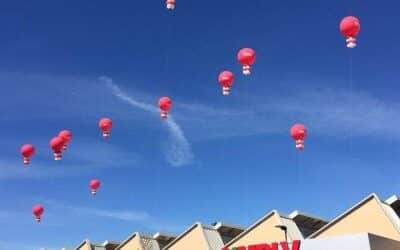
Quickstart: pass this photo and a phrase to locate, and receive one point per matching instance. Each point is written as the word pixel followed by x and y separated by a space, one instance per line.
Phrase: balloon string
pixel 351 97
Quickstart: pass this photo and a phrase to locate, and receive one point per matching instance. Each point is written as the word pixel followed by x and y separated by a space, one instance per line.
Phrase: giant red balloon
pixel 37 211
pixel 165 104
pixel 246 58
pixel 105 124
pixel 27 151
pixel 94 186
pixel 350 27
pixel 67 136
pixel 299 132
pixel 226 79
pixel 57 144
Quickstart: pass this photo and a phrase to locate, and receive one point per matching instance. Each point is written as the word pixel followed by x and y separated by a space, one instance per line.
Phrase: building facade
pixel 371 224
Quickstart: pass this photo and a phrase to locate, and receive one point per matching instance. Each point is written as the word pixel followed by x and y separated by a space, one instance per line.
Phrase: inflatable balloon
pixel 57 144
pixel 226 79
pixel 299 133
pixel 37 211
pixel 165 104
pixel 27 151
pixel 105 124
pixel 350 27
pixel 94 186
pixel 67 136
pixel 246 58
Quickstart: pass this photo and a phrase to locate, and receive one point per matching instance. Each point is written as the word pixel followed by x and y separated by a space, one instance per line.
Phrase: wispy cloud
pixel 97 156
pixel 142 218
pixel 177 150
pixel 5 245
pixel 326 112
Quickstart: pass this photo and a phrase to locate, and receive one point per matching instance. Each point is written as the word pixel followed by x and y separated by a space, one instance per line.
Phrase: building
pixel 371 224
pixel 107 245
pixel 142 241
pixel 200 236
pixel 275 227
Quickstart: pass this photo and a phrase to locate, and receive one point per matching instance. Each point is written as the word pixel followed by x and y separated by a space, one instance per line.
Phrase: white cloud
pixel 98 155
pixel 5 245
pixel 327 112
pixel 142 218
pixel 177 150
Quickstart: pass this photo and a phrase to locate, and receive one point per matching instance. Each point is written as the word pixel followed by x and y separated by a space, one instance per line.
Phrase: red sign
pixel 274 246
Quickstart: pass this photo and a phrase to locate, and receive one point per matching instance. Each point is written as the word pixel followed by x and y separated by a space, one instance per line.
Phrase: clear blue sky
pixel 219 158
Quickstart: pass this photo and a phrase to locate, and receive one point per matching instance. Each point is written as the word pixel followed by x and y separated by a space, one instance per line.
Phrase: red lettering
pixel 273 246
pixel 295 245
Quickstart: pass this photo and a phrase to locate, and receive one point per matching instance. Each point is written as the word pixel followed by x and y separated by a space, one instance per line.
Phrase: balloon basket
pixel 164 115
pixel 246 70
pixel 226 90
pixel 351 42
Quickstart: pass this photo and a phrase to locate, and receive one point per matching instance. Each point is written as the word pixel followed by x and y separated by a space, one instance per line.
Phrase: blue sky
pixel 65 64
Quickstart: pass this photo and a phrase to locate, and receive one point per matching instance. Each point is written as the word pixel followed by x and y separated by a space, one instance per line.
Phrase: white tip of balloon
pixel 94 192
pixel 106 134
pixel 299 144
pixel 226 90
pixel 246 70
pixel 164 115
pixel 351 42
pixel 170 6
pixel 26 160
pixel 57 156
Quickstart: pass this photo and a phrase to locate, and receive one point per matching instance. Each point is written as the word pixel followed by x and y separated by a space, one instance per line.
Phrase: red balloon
pixel 246 58
pixel 226 79
pixel 165 104
pixel 94 186
pixel 105 124
pixel 27 151
pixel 170 4
pixel 67 136
pixel 37 211
pixel 350 27
pixel 57 144
pixel 299 133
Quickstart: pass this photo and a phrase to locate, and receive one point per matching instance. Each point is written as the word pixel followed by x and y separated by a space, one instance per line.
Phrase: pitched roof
pixel 388 211
pixel 293 230
pixel 210 234
pixel 308 224
pixel 82 243
pixel 123 243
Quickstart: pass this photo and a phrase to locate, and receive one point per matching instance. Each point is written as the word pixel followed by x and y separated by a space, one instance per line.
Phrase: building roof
pixel 386 208
pixel 163 239
pixel 394 202
pixel 307 224
pixel 292 229
pixel 210 234
pixel 82 243
pixel 123 243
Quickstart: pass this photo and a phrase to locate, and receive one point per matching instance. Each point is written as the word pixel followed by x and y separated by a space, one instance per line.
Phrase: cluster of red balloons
pixel 246 58
pixel 60 143
pixel 349 27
